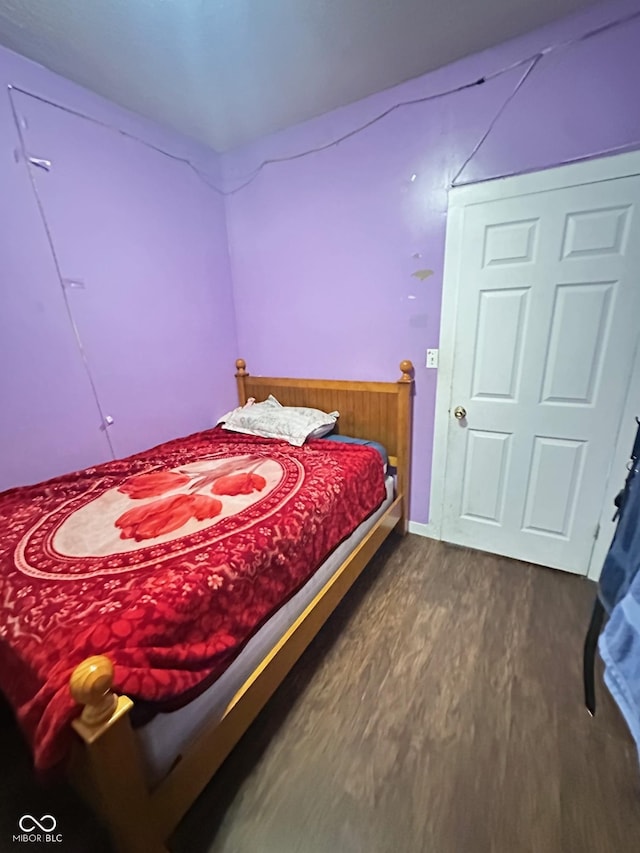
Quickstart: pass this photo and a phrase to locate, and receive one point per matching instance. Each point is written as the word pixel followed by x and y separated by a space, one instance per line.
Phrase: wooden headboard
pixel 379 411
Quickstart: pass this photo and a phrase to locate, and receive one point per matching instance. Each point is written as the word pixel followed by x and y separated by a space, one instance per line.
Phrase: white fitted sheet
pixel 167 735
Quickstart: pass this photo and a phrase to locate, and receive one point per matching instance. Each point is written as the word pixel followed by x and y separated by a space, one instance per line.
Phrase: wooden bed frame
pixel 106 763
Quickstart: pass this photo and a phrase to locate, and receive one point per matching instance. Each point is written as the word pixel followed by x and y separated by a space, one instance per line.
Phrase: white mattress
pixel 167 735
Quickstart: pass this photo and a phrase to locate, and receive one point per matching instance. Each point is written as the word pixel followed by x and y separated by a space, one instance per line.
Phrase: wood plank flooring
pixel 439 710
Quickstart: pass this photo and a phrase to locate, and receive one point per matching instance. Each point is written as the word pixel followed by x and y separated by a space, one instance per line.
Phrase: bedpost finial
pixel 241 365
pixel 406 368
pixel 90 685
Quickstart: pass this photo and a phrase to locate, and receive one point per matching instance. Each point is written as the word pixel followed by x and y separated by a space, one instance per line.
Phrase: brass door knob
pixel 460 412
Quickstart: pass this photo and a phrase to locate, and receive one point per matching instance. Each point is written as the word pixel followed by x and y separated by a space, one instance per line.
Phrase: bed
pixel 201 569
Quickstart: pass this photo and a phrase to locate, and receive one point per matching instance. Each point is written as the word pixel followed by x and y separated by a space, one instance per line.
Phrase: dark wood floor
pixel 439 710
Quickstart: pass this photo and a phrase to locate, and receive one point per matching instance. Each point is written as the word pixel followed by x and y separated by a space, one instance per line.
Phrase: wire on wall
pixel 85 361
pixel 529 63
pixel 496 117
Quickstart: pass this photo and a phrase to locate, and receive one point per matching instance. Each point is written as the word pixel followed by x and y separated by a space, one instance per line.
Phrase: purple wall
pixel 156 316
pixel 323 248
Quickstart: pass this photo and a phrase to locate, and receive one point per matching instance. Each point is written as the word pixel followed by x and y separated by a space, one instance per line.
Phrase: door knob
pixel 460 412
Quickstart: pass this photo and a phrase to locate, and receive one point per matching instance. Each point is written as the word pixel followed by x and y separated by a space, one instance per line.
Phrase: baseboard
pixel 419 529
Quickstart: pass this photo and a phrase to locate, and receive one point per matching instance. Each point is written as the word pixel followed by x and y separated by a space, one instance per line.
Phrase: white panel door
pixel 547 323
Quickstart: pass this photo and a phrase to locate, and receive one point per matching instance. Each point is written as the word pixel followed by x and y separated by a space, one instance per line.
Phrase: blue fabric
pixel 620 650
pixel 623 560
pixel 619 591
pixel 347 439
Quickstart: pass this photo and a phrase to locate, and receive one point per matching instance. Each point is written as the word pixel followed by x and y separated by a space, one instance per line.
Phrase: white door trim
pixel 617 471
pixel 587 172
pixel 425 530
pixel 558 177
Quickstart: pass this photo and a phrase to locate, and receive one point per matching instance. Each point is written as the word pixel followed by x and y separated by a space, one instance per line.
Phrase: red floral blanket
pixel 167 561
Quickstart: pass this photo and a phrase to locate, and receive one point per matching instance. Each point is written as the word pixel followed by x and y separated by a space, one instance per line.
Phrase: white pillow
pixel 270 419
pixel 321 431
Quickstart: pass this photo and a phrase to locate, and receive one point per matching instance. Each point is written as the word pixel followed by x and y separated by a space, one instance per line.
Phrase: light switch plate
pixel 432 358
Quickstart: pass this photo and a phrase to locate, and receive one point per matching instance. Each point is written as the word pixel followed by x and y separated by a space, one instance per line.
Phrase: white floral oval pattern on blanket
pixel 127 524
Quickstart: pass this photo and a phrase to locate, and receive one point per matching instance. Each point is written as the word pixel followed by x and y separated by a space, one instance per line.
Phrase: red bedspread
pixel 167 561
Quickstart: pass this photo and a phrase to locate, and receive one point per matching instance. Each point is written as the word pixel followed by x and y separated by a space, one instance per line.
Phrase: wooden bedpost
pixel 108 763
pixel 405 404
pixel 241 374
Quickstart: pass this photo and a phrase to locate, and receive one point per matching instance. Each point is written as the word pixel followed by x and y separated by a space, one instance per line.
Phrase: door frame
pixel 560 177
